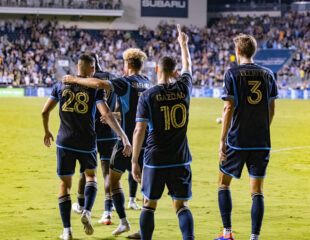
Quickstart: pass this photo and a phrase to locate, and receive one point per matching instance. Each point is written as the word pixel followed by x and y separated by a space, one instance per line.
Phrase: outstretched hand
pixel 68 79
pixel 182 38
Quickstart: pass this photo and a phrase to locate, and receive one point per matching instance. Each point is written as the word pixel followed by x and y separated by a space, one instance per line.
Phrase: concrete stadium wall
pixel 131 20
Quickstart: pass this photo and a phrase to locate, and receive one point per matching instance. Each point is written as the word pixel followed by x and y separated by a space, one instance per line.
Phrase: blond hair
pixel 134 53
pixel 246 44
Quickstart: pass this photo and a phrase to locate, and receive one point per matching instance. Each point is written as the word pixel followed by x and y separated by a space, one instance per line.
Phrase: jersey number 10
pixel 256 91
pixel 80 106
pixel 170 116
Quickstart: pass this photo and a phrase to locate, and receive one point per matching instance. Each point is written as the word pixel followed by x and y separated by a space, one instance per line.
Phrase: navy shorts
pixel 119 163
pixel 255 160
pixel 105 149
pixel 177 179
pixel 66 160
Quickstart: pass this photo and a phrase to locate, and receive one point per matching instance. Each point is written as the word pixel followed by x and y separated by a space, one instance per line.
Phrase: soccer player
pixel 128 89
pixel 167 158
pixel 249 104
pixel 76 139
pixel 106 139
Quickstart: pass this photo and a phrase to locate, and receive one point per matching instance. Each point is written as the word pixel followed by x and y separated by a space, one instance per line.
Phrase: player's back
pixel 129 89
pixel 252 87
pixel 168 107
pixel 104 131
pixel 77 107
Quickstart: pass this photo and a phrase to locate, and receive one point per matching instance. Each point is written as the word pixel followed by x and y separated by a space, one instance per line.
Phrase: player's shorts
pixel 66 160
pixel 255 160
pixel 177 179
pixel 119 162
pixel 105 149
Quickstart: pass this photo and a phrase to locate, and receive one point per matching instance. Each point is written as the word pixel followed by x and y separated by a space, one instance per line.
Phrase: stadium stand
pixel 37 51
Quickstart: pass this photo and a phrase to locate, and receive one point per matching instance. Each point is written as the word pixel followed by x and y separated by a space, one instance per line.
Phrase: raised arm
pixel 87 82
pixel 48 107
pixel 138 138
pixel 113 123
pixel 186 57
pixel 228 113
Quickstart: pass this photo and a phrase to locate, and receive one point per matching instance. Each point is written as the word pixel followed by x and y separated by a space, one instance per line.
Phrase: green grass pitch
pixel 29 185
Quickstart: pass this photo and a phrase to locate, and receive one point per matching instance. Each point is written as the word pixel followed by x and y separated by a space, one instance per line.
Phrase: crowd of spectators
pixel 80 4
pixel 31 57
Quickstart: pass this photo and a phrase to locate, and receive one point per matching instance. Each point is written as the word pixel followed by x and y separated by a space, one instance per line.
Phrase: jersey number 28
pixel 170 116
pixel 81 99
pixel 256 91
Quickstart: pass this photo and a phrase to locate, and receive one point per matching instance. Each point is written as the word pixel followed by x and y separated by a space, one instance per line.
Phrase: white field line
pixel 289 149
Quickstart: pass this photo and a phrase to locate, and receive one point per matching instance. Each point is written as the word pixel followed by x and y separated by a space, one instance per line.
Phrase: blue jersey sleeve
pixel 228 89
pixel 54 93
pixel 143 114
pixel 186 81
pixel 119 86
pixel 273 89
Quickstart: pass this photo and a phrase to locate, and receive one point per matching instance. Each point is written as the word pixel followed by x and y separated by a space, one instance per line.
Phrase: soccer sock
pixel 81 199
pixel 186 223
pixel 65 210
pixel 90 194
pixel 119 202
pixel 108 203
pixel 257 212
pixel 133 186
pixel 147 223
pixel 225 204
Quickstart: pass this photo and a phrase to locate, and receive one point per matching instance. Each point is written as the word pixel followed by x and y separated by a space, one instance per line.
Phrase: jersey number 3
pixel 256 91
pixel 80 106
pixel 170 116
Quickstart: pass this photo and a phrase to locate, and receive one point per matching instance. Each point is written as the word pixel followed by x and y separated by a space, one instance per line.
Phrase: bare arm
pixel 138 138
pixel 186 57
pixel 48 107
pixel 113 123
pixel 117 111
pixel 272 110
pixel 87 82
pixel 228 113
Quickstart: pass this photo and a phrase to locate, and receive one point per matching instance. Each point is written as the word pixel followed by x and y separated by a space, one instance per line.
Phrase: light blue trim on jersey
pixel 142 120
pixel 235 91
pixel 189 72
pixel 257 176
pixel 99 101
pixel 151 200
pixel 68 175
pixel 273 98
pixel 76 150
pixel 125 101
pixel 106 139
pixel 169 166
pixel 252 148
pixel 116 170
pixel 182 199
pixel 227 96
pixel 56 99
pixel 228 173
pixel 105 159
pixel 94 107
pixel 112 87
pixel 151 125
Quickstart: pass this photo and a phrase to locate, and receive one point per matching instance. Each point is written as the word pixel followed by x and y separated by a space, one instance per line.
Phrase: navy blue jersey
pixel 77 107
pixel 103 131
pixel 166 108
pixel 252 87
pixel 129 90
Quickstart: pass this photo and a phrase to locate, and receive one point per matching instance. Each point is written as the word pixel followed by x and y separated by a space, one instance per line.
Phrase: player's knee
pixel 150 204
pixel 224 180
pixel 181 209
pixel 90 175
pixel 178 204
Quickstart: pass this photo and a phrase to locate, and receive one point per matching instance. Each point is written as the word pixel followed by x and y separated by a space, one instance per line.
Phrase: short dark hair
pixel 246 44
pixel 167 64
pixel 97 64
pixel 87 60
